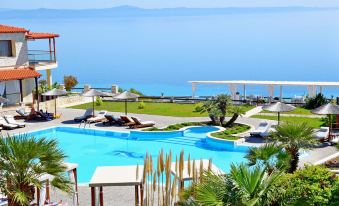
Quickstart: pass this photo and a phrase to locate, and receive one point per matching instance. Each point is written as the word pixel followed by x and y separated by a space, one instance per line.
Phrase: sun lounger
pixel 139 124
pixel 99 118
pixel 322 133
pixel 262 130
pixel 22 113
pixel 127 121
pixel 88 113
pixel 44 116
pixel 111 120
pixel 10 120
pixel 6 125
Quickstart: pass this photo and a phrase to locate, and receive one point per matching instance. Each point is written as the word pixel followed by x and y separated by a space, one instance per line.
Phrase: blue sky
pixel 83 4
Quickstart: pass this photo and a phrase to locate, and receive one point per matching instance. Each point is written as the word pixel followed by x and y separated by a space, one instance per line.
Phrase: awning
pixel 15 74
pixel 39 35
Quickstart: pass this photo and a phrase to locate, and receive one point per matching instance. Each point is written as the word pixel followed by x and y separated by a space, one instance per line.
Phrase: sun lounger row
pixel 8 122
pixel 34 115
pixel 102 116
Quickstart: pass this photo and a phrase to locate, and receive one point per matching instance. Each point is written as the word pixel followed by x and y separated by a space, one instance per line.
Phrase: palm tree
pixel 294 136
pixel 255 185
pixel 271 156
pixel 23 161
pixel 243 186
pixel 219 106
pixel 235 111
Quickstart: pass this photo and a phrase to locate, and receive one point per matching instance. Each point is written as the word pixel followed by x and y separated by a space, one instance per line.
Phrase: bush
pixel 316 101
pixel 313 185
pixel 142 105
pixel 134 91
pixel 70 82
pixel 98 101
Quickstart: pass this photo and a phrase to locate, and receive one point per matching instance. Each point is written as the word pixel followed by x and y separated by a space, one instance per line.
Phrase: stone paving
pixel 125 195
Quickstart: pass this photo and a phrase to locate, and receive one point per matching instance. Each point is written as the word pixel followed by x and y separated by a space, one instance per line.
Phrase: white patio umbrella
pixel 94 93
pixel 126 96
pixel 55 92
pixel 279 107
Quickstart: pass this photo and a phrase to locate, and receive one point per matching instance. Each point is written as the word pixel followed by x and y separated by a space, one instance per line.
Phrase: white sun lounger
pixel 322 133
pixel 262 130
pixel 22 112
pixel 6 125
pixel 98 118
pixel 88 113
pixel 10 120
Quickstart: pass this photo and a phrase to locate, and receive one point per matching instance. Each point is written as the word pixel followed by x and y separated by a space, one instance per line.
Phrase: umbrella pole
pixel 330 126
pixel 93 106
pixel 126 107
pixel 55 102
pixel 278 118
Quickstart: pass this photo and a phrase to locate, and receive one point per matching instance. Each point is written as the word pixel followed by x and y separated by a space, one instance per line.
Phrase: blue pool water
pixel 91 148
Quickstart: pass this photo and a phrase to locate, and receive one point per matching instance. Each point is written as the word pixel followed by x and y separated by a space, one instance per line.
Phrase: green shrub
pixel 142 105
pixel 70 82
pixel 312 185
pixel 316 101
pixel 98 101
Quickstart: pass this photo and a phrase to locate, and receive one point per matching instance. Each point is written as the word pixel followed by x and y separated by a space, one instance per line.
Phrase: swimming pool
pixel 91 148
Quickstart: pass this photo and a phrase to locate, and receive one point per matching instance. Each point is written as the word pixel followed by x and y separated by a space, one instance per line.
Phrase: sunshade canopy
pixel 55 92
pixel 279 107
pixel 326 109
pixel 94 93
pixel 126 95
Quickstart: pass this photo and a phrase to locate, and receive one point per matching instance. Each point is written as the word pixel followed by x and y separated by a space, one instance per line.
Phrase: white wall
pixel 21 51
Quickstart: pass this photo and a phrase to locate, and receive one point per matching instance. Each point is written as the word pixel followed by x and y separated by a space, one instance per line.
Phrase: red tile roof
pixel 11 29
pixel 38 35
pixel 14 74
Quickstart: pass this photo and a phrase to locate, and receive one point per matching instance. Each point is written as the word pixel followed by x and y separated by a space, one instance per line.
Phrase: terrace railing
pixel 41 57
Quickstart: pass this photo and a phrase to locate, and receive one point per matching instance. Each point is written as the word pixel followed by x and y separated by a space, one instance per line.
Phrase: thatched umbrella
pixel 126 96
pixel 55 92
pixel 327 109
pixel 94 93
pixel 279 107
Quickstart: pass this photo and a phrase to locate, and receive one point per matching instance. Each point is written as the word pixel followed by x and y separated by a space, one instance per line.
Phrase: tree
pixel 294 136
pixel 217 108
pixel 243 186
pixel 235 112
pixel 316 101
pixel 23 160
pixel 271 156
pixel 70 82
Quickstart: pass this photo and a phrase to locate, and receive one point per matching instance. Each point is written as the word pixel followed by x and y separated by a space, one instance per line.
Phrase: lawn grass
pixel 313 122
pixel 164 109
pixel 298 110
pixel 229 133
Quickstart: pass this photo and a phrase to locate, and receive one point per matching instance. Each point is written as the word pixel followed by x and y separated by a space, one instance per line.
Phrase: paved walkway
pixel 293 115
pixel 125 195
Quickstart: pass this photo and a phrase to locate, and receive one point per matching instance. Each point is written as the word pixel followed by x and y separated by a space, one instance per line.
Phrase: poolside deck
pixel 125 195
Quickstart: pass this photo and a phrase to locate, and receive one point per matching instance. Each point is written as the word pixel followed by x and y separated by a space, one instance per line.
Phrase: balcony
pixel 42 60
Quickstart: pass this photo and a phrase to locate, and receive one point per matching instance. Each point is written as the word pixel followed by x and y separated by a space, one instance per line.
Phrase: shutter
pixel 13 48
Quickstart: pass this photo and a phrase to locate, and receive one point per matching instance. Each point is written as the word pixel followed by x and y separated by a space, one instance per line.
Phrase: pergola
pixel 311 86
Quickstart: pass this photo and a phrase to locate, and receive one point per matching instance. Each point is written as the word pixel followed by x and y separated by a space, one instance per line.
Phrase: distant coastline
pixel 128 11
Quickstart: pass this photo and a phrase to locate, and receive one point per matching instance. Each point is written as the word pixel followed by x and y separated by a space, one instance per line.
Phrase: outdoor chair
pixel 5 125
pixel 111 120
pixel 10 120
pixel 127 121
pixel 99 118
pixel 88 113
pixel 262 130
pixel 322 134
pixel 139 124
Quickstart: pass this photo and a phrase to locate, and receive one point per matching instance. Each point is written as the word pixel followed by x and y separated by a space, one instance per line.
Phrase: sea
pixel 159 54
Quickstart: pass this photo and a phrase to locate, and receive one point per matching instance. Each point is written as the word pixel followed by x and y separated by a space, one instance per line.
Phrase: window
pixel 6 48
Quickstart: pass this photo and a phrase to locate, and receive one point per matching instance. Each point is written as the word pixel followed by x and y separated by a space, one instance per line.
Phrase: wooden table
pixel 109 176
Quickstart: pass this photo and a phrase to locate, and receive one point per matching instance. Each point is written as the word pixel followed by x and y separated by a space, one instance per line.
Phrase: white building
pixel 20 67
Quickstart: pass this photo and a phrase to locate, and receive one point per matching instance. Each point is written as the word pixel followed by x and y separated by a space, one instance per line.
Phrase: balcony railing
pixel 36 57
